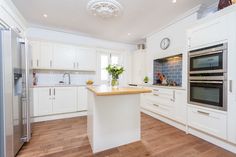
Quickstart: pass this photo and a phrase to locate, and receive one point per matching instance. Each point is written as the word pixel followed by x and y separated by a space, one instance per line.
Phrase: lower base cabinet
pixel 58 100
pixel 213 123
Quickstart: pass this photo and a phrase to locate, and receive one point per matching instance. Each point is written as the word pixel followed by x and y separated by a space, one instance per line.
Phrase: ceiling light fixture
pixel 105 8
pixel 174 1
pixel 45 15
pixel 129 34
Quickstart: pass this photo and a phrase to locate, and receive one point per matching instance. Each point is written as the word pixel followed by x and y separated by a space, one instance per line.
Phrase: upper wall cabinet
pixel 208 32
pixel 63 57
pixel 46 55
pixel 86 59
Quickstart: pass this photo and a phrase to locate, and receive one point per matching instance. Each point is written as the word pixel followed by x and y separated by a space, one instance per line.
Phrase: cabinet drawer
pixel 213 123
pixel 157 107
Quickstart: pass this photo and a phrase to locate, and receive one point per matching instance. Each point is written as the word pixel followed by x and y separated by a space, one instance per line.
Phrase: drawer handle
pixel 156 94
pixel 156 90
pixel 156 105
pixel 204 113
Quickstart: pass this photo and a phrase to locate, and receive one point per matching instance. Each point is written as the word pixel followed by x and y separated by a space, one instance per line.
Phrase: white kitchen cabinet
pixel 35 49
pixel 65 99
pixel 46 55
pixel 82 99
pixel 43 101
pixel 85 59
pixel 63 57
pixel 180 105
pixel 42 54
pixel 208 121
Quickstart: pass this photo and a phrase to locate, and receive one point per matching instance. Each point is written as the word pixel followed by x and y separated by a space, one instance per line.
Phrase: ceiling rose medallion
pixel 105 8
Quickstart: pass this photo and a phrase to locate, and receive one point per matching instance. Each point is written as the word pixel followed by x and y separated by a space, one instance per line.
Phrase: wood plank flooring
pixel 67 138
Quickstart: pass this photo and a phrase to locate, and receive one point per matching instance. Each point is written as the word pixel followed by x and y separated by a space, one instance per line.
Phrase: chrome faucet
pixel 68 77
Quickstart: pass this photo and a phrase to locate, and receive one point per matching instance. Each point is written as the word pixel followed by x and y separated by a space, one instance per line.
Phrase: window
pixel 106 59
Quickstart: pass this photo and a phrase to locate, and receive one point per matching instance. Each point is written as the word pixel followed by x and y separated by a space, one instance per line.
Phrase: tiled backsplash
pixel 171 67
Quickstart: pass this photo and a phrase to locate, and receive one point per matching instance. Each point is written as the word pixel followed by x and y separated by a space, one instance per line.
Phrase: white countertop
pixel 60 85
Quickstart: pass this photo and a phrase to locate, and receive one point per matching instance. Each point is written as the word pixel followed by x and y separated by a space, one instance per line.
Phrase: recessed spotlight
pixel 129 34
pixel 45 15
pixel 174 1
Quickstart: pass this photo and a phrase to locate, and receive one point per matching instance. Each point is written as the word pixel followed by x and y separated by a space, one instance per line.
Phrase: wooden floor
pixel 67 138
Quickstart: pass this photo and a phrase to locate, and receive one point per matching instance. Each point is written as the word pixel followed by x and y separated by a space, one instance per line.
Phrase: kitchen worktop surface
pixel 60 85
pixel 104 90
pixel 160 86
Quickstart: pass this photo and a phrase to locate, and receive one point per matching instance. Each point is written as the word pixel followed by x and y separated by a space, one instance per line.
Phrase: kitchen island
pixel 113 116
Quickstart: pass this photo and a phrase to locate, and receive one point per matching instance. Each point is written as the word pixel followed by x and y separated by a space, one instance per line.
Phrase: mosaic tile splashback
pixel 171 67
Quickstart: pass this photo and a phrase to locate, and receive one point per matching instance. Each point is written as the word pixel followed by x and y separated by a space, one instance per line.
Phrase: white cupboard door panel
pixel 180 105
pixel 35 48
pixel 46 55
pixel 82 99
pixel 44 101
pixel 64 56
pixel 86 59
pixel 65 99
pixel 210 32
pixel 207 121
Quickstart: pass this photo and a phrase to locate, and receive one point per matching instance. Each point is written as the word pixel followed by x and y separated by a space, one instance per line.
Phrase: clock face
pixel 165 43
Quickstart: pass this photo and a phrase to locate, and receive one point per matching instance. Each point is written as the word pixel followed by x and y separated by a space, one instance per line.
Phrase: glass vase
pixel 114 83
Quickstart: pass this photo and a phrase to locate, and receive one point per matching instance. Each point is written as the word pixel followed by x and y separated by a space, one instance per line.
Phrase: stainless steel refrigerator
pixel 14 93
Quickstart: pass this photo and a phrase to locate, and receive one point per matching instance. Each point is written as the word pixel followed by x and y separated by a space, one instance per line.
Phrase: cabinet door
pixel 65 99
pixel 44 106
pixel 180 106
pixel 86 59
pixel 82 99
pixel 64 57
pixel 46 55
pixel 35 48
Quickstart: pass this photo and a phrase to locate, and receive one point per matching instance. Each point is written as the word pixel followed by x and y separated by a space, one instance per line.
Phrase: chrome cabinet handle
pixel 50 92
pixel 231 86
pixel 156 90
pixel 37 62
pixel 155 105
pixel 156 94
pixel 50 63
pixel 204 113
pixel 54 92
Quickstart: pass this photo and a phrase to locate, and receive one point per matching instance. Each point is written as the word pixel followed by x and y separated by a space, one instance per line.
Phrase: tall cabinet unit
pixel 217 29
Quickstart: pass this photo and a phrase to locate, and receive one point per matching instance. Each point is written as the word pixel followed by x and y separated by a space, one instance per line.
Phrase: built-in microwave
pixel 211 59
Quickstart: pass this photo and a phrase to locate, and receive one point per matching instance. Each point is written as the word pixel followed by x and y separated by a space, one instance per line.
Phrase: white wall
pixel 53 77
pixel 178 36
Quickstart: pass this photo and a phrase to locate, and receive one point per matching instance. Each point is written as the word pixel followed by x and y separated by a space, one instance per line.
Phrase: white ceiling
pixel 140 17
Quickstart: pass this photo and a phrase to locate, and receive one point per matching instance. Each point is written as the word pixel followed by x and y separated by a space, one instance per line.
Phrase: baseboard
pixel 58 116
pixel 165 120
pixel 219 142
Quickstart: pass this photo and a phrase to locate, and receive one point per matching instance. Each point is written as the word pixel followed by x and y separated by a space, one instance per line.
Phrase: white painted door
pixel 46 55
pixel 35 49
pixel 180 105
pixel 64 100
pixel 82 98
pixel 86 59
pixel 44 106
pixel 64 57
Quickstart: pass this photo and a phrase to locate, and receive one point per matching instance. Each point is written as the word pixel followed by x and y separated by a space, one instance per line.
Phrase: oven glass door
pixel 206 62
pixel 210 94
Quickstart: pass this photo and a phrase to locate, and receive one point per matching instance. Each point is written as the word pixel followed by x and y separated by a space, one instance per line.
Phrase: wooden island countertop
pixel 104 90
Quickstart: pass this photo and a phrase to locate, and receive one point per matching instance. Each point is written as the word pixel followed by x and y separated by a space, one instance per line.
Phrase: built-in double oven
pixel 207 77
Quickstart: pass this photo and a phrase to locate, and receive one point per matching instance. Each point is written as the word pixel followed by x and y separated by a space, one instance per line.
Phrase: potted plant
pixel 146 79
pixel 115 71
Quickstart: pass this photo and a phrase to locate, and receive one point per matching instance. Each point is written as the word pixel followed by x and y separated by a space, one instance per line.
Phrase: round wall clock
pixel 165 43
